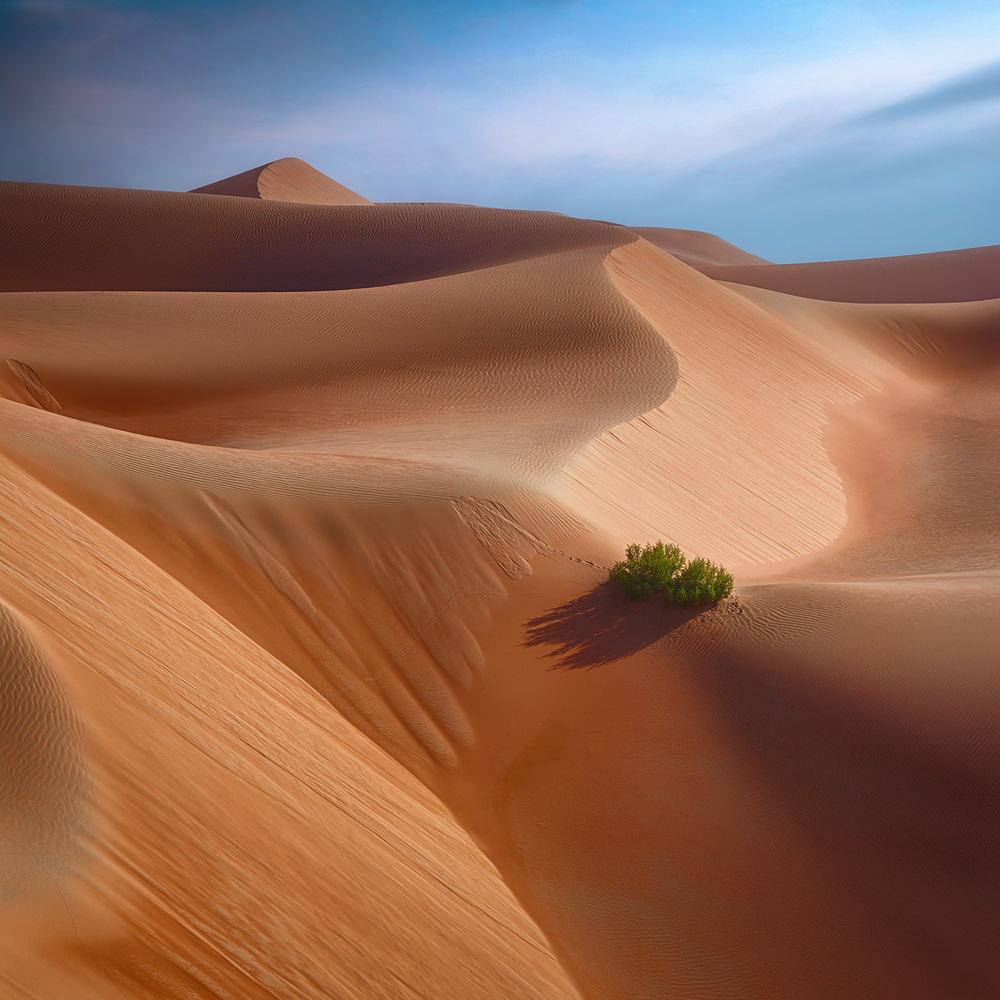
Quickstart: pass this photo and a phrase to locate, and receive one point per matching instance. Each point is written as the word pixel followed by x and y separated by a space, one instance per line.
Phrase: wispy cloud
pixel 551 105
pixel 663 111
pixel 645 119
pixel 972 88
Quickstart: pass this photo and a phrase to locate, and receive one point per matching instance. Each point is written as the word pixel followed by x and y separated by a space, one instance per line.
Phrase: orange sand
pixel 286 180
pixel 313 685
pixel 952 276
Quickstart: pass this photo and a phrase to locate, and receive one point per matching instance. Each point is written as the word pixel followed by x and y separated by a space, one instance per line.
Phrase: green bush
pixel 647 571
pixel 661 570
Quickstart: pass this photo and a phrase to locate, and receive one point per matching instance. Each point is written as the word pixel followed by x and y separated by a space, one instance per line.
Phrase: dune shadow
pixel 601 626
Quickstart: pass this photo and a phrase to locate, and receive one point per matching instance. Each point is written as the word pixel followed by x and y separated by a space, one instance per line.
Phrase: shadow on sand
pixel 601 626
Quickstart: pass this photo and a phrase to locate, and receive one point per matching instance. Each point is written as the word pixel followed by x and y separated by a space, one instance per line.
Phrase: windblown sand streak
pixel 43 778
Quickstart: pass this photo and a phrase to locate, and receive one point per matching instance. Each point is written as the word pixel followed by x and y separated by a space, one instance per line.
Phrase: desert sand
pixel 313 682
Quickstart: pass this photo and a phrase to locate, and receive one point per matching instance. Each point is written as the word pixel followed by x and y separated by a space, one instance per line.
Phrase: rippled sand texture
pixel 312 682
pixel 43 781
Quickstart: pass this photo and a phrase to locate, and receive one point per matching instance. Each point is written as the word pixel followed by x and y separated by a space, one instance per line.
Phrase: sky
pixel 803 130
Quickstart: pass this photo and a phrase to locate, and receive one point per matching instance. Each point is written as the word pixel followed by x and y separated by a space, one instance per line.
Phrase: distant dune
pixel 952 276
pixel 286 180
pixel 700 250
pixel 313 683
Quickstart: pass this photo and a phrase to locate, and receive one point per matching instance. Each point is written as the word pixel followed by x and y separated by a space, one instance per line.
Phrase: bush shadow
pixel 602 626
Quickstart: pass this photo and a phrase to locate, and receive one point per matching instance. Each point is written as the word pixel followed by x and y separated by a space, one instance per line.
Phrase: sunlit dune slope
pixel 317 686
pixel 733 464
pixel 239 839
pixel 288 179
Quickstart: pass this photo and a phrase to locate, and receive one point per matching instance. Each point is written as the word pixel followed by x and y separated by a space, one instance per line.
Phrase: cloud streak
pixel 973 88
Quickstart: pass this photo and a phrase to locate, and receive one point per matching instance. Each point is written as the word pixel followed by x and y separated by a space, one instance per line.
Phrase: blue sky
pixel 803 130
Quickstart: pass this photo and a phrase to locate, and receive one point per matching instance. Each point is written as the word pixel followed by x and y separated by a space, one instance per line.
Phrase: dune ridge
pixel 167 241
pixel 762 387
pixel 316 549
pixel 950 276
pixel 697 249
pixel 287 179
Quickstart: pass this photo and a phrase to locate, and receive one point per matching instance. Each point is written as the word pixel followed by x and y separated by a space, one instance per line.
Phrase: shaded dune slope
pixel 858 683
pixel 951 276
pixel 103 239
pixel 333 520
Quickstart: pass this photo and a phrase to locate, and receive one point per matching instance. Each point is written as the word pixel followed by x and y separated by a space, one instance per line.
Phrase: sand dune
pixel 288 179
pixel 952 276
pixel 317 687
pixel 96 239
pixel 697 249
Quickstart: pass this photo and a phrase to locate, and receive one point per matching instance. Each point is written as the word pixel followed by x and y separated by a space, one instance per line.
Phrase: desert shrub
pixel 647 571
pixel 661 570
pixel 699 582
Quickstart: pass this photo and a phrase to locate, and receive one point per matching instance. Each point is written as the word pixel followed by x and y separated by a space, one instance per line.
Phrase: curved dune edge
pixel 695 248
pixel 936 341
pixel 114 240
pixel 733 464
pixel 373 381
pixel 392 648
pixel 288 655
pixel 123 478
pixel 287 179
